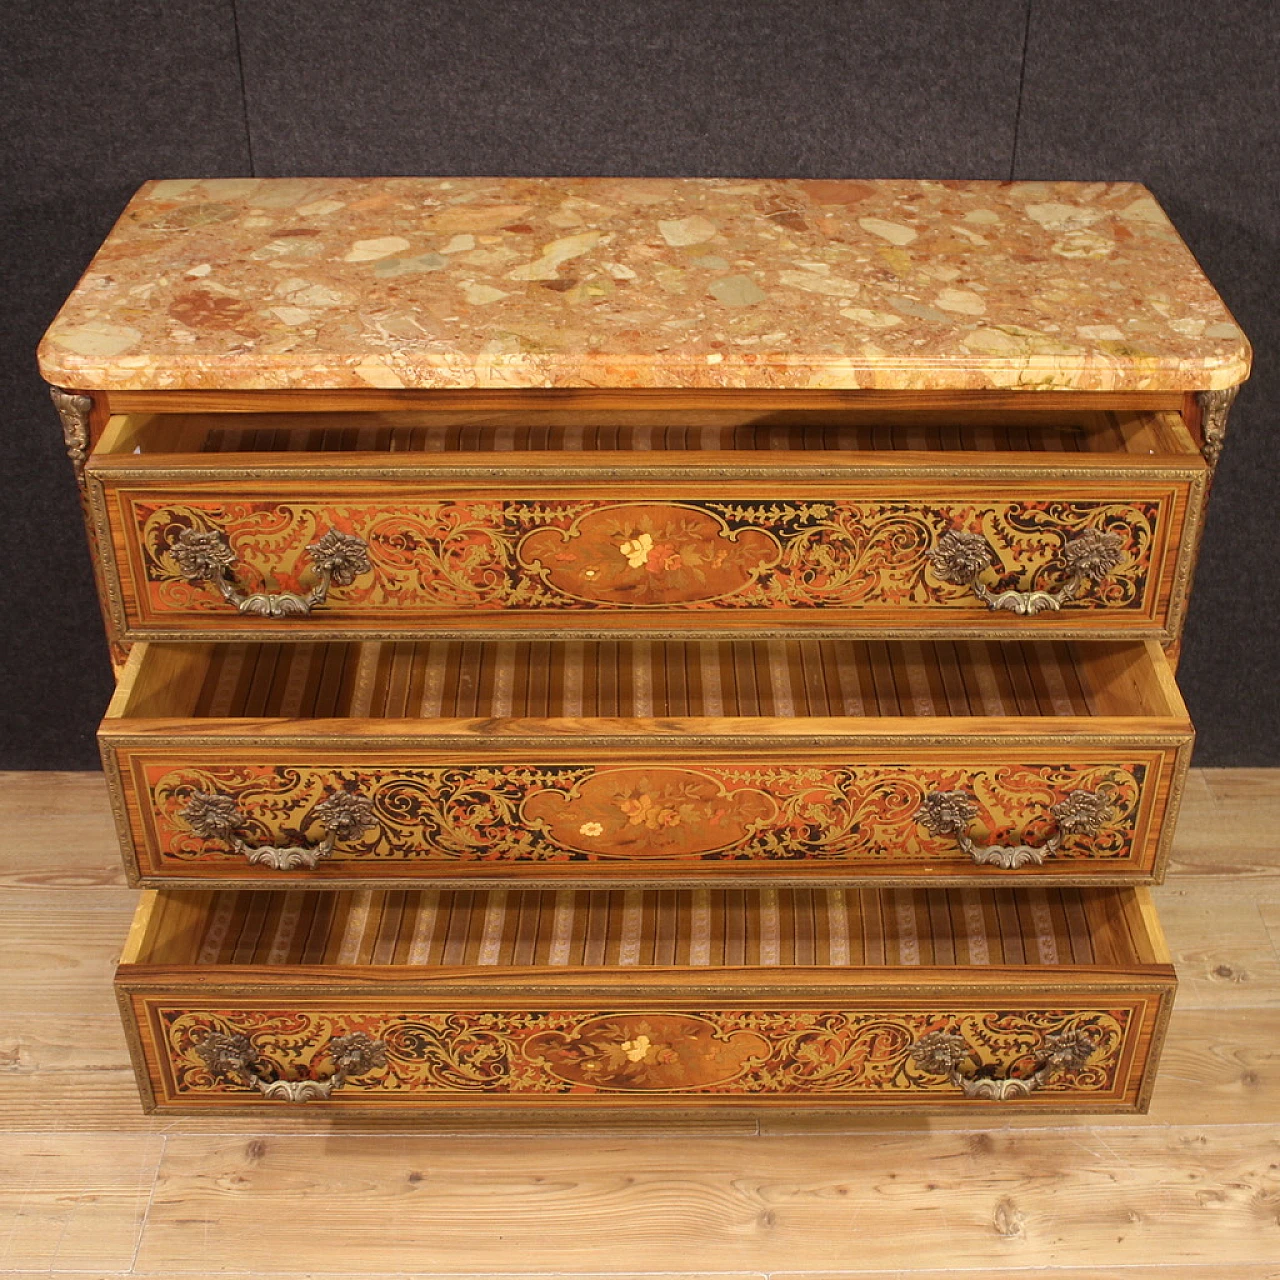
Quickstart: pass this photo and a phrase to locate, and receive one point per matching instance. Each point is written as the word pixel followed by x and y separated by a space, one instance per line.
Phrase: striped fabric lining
pixel 481 437
pixel 647 927
pixel 777 678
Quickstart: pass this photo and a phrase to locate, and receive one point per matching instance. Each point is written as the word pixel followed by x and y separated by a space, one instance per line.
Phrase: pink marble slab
pixel 248 283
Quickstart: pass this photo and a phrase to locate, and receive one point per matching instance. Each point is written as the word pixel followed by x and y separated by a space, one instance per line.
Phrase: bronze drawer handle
pixel 949 813
pixel 962 558
pixel 343 816
pixel 942 1053
pixel 205 555
pixel 232 1055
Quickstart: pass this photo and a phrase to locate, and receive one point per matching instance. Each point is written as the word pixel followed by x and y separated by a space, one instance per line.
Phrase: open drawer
pixel 850 522
pixel 1043 999
pixel 586 762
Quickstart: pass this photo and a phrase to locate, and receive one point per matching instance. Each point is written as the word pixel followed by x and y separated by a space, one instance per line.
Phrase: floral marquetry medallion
pixel 747 1052
pixel 531 815
pixel 649 554
pixel 429 554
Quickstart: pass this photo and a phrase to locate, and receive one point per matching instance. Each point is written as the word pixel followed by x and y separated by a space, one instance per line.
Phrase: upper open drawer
pixel 855 522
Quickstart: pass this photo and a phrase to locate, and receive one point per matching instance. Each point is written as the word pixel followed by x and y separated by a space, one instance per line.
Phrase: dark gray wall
pixel 103 94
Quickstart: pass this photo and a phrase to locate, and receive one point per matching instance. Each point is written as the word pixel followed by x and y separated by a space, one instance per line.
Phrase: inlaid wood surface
pixel 616 762
pixel 1178 1194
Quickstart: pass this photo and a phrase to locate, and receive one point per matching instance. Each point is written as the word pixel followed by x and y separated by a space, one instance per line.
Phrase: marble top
pixel 256 283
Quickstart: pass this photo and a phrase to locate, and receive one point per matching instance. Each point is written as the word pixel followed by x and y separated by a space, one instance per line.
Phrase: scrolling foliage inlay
pixel 496 554
pixel 564 813
pixel 748 1052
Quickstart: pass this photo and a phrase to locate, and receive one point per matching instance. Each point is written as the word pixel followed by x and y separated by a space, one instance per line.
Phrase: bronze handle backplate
pixel 949 813
pixel 962 558
pixel 205 555
pixel 233 1055
pixel 945 1054
pixel 343 815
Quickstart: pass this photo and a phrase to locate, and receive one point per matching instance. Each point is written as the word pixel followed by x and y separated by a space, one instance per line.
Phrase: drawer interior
pixel 777 679
pixel 441 433
pixel 639 928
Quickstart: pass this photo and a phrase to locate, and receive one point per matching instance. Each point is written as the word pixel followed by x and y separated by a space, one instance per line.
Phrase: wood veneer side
pixel 122 695
pixel 159 681
pixel 1155 433
pixel 1118 972
pixel 1133 679
pixel 120 435
pixel 137 944
pixel 750 733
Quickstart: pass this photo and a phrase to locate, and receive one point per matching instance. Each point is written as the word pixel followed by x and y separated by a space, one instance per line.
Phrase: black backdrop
pixel 103 94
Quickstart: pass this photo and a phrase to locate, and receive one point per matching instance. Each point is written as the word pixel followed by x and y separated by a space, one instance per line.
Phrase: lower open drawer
pixel 594 764
pixel 1050 999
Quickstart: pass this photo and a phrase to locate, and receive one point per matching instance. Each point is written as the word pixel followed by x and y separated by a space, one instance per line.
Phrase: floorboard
pixel 90 1187
pixel 819 1202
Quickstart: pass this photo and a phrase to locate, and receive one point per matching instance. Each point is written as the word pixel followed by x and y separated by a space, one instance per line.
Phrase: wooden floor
pixel 90 1186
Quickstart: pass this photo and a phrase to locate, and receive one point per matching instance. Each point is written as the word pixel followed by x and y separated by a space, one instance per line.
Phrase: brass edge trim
pixel 1125 398
pixel 100 521
pixel 1012 633
pixel 1173 806
pixel 411 474
pixel 623 1109
pixel 838 880
pixel 570 742
pixel 120 815
pixel 1186 556
pixel 200 989
pixel 1155 1049
pixel 137 1052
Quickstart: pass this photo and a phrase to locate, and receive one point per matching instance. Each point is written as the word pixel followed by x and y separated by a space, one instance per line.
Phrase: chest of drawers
pixel 600 643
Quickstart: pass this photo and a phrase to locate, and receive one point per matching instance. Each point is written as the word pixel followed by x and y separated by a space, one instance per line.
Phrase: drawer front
pixel 793 1052
pixel 676 815
pixel 863 556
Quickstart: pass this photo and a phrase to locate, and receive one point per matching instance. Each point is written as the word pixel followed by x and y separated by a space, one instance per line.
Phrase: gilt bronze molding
pixel 73 411
pixel 1215 406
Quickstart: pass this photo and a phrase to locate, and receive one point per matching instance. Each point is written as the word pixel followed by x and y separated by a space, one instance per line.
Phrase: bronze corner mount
pixel 73 409
pixel 1214 408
